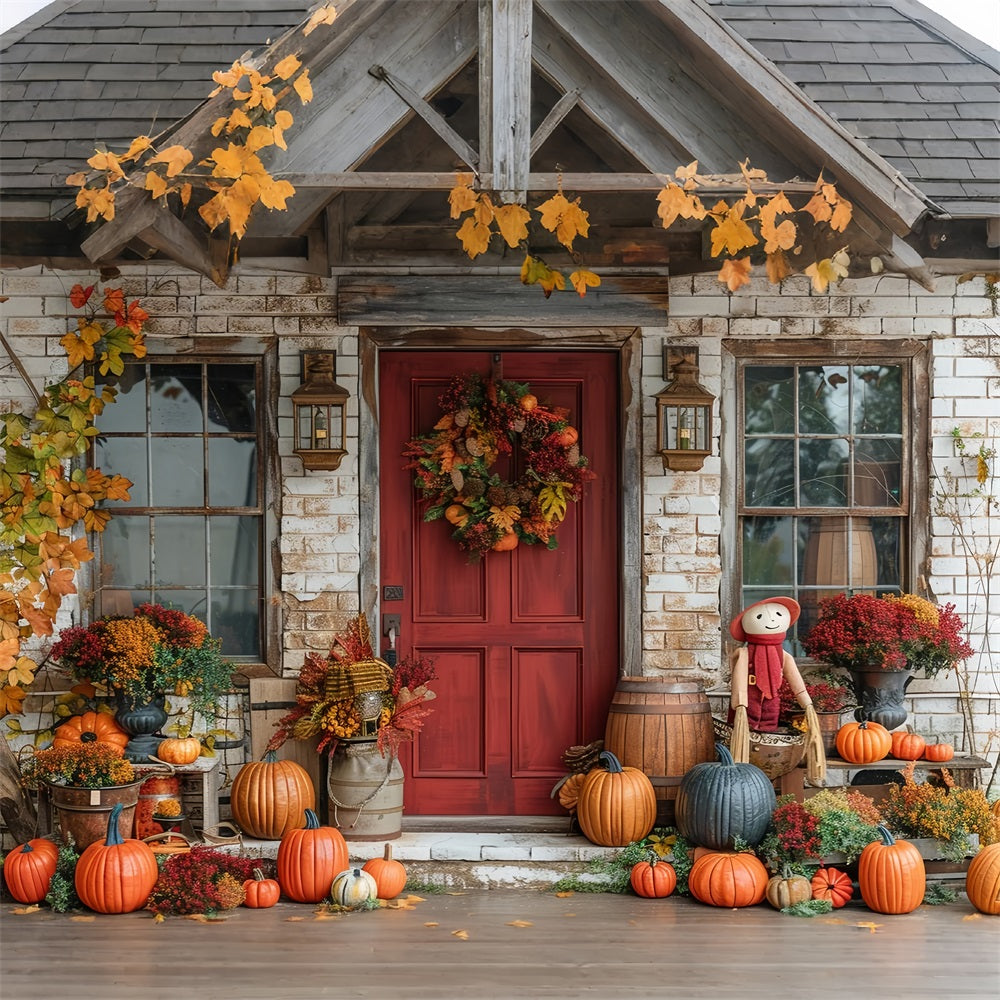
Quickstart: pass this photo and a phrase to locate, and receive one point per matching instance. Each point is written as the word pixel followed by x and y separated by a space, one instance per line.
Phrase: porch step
pixel 458 853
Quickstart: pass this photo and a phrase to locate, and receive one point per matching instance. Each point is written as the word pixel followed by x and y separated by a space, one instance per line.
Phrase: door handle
pixel 390 628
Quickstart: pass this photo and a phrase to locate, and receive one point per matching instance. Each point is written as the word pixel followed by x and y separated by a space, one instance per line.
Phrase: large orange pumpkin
pixel 118 875
pixel 891 875
pixel 309 859
pixel 725 878
pixel 269 797
pixel 616 804
pixel 982 880
pixel 29 868
pixel 91 727
pixel 863 742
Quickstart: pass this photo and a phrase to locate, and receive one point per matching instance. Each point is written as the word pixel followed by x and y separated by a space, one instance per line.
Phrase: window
pixel 826 487
pixel 187 433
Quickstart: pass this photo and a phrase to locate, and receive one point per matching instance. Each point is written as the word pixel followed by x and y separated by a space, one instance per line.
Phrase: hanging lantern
pixel 319 409
pixel 683 414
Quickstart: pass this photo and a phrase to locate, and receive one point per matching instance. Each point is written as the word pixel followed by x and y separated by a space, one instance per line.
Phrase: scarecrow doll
pixel 758 669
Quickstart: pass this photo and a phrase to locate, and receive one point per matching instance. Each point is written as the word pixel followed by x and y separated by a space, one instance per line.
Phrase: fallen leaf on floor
pixel 159 918
pixel 520 923
pixel 87 917
pixel 832 920
pixel 461 935
pixel 455 893
pixel 972 916
pixel 204 918
pixel 403 904
pixel 27 909
pixel 420 899
pixel 563 895
pixel 327 916
pixel 432 923
pixel 293 919
pixel 569 914
pixel 868 925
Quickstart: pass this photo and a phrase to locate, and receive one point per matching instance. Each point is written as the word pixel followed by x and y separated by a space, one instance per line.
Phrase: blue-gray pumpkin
pixel 720 801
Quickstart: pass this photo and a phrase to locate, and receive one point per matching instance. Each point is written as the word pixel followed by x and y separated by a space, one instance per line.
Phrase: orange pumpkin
pixel 725 878
pixel 832 884
pixel 261 893
pixel 982 881
pixel 29 868
pixel 907 745
pixel 270 796
pixel 506 542
pixel 389 875
pixel 528 401
pixel 309 859
pixel 891 875
pixel 456 514
pixel 939 753
pixel 567 437
pixel 653 879
pixel 91 727
pixel 863 742
pixel 616 804
pixel 179 751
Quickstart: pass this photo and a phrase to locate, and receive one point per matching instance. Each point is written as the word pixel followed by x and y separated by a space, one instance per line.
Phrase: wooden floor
pixel 519 944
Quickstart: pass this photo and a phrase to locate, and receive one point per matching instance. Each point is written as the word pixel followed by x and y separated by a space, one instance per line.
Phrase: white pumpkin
pixel 353 887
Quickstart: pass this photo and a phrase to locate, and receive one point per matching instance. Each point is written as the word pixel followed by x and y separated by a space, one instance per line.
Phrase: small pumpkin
pixel 118 875
pixel 907 745
pixel 389 874
pixel 939 753
pixel 891 875
pixel 567 437
pixel 507 542
pixel 456 514
pixel 720 801
pixel 28 869
pixel 787 889
pixel 728 879
pixel 261 893
pixel 653 879
pixel 179 751
pixel 269 797
pixel 309 859
pixel 353 887
pixel 616 804
pixel 982 880
pixel 91 727
pixel 863 742
pixel 834 885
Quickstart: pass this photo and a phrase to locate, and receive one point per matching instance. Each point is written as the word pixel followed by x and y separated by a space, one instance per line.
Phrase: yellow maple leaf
pixel 841 215
pixel 97 202
pixel 234 161
pixel 274 194
pixel 778 267
pixel 260 137
pixel 461 198
pixel 156 185
pixel 551 282
pixel 11 700
pixel 23 672
pixel 735 273
pixel 303 87
pixel 564 218
pixel 107 163
pixel 240 200
pixel 214 211
pixel 520 923
pixel 868 925
pixel 461 935
pixel 582 279
pixel 829 269
pixel 77 180
pixel 228 78
pixel 322 15
pixel 818 207
pixel 512 221
pixel 780 237
pixel 287 66
pixel 475 237
pixel 688 174
pixel 675 202
pixel 731 234
pixel 137 147
pixel 175 157
pixel 505 517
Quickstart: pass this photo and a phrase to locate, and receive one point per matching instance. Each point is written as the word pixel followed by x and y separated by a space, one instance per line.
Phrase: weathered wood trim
pixel 633 447
pixel 551 122
pixel 390 300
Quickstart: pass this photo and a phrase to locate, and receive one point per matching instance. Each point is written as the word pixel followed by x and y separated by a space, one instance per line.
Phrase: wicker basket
pixel 774 753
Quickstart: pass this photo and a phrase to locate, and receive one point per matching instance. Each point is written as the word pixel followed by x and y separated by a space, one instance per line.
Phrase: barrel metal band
pixel 696 708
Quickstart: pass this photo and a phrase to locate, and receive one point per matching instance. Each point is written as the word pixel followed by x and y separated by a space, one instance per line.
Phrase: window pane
pixel 179 551
pixel 235 551
pixel 236 622
pixel 822 472
pixel 176 399
pixel 128 411
pixel 768 551
pixel 824 400
pixel 231 398
pixel 877 471
pixel 769 399
pixel 194 602
pixel 232 471
pixel 124 549
pixel 888 532
pixel 878 399
pixel 770 470
pixel 126 457
pixel 178 472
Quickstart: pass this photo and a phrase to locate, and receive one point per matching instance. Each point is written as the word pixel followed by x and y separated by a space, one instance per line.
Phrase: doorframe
pixel 627 341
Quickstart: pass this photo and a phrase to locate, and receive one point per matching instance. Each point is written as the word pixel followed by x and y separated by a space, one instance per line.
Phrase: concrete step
pixel 479 852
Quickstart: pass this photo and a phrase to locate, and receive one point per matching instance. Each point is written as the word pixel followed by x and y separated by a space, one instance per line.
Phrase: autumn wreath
pixel 483 419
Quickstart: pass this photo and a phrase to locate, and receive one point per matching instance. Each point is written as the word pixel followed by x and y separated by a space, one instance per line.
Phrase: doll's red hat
pixel 792 606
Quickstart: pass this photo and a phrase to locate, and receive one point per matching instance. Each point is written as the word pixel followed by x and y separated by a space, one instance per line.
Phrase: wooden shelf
pixel 957 763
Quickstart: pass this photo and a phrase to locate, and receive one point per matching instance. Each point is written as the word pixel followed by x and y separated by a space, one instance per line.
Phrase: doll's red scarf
pixel 764 657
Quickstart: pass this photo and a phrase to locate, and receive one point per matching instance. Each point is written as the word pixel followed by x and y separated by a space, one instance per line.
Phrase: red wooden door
pixel 526 642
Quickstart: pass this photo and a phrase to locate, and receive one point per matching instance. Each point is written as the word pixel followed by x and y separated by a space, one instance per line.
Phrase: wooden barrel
pixel 662 728
pixel 365 792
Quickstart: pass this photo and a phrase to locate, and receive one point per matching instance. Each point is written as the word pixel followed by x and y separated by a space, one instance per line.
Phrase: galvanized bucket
pixel 365 791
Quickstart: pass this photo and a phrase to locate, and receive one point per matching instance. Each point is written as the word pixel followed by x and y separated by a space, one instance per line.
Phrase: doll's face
pixel 766 619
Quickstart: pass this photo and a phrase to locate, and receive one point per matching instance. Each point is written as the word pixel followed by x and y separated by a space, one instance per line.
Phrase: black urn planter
pixel 141 720
pixel 880 695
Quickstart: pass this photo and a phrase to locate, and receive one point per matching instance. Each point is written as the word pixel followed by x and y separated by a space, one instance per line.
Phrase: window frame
pixel 914 474
pixel 268 494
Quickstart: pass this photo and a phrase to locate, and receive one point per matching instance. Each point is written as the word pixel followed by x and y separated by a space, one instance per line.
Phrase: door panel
pixel 526 642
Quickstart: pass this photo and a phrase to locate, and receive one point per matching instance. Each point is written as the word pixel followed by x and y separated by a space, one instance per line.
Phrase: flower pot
pixel 83 813
pixel 829 726
pixel 880 695
pixel 141 720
